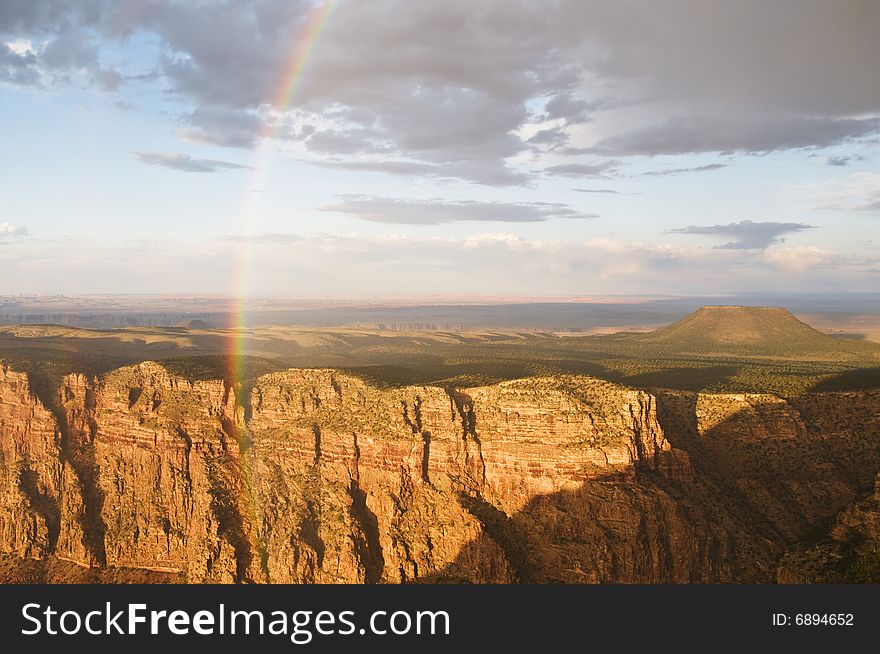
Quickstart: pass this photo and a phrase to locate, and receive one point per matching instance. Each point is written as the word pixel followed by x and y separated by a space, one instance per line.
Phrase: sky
pixel 510 147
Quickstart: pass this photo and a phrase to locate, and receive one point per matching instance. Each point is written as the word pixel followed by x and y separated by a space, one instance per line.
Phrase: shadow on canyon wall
pixel 751 497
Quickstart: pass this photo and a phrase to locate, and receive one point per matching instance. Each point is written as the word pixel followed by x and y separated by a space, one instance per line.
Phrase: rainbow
pixel 297 63
pixel 282 99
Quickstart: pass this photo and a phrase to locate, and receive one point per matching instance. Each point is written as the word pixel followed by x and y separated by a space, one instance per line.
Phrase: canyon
pixel 318 476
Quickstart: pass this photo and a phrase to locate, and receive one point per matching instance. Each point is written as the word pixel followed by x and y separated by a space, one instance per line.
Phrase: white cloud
pixel 10 231
pixel 20 46
pixel 799 259
pixel 490 263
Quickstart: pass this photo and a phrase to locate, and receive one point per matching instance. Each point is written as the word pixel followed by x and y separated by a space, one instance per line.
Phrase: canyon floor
pixel 735 445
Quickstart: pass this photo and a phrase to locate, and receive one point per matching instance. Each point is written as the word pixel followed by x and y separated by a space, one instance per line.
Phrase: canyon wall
pixel 314 476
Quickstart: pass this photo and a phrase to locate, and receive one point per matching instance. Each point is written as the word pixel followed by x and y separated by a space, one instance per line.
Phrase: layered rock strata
pixel 314 476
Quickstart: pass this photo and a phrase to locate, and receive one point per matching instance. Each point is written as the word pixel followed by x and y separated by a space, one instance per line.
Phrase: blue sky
pixel 576 148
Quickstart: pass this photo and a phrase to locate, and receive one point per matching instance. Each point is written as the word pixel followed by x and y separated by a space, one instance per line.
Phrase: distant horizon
pixel 444 297
pixel 857 314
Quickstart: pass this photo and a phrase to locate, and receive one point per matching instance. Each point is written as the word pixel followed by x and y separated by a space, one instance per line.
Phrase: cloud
pixel 18 66
pixel 405 168
pixel 487 175
pixel 572 110
pixel 351 141
pixel 746 234
pixel 64 43
pixel 800 259
pixel 461 83
pixel 581 169
pixel 680 171
pixel 72 49
pixel 739 57
pixel 436 211
pixel 224 127
pixel 687 135
pixel 424 103
pixel 492 263
pixel 10 231
pixel 595 190
pixel 466 131
pixel 184 162
pixel 554 136
pixel 842 160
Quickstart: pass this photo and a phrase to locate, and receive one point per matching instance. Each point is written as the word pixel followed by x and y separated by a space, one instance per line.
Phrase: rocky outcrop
pixel 385 485
pixel 314 476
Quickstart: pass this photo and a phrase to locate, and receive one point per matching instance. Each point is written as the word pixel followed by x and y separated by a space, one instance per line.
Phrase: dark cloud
pixel 680 171
pixel 404 168
pixel 746 234
pixel 18 68
pixel 43 16
pixel 843 160
pixel 224 127
pixel 553 137
pixel 65 39
pixel 436 211
pixel 462 80
pixel 184 162
pixel 747 58
pixel 682 135
pixel 71 49
pixel 355 141
pixel 420 100
pixel 572 110
pixel 451 93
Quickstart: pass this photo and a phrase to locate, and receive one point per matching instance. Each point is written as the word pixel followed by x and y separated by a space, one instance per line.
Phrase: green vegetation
pixel 748 332
pixel 719 349
pixel 207 367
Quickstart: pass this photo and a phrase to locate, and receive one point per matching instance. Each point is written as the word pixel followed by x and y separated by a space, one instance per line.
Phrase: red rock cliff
pixel 316 476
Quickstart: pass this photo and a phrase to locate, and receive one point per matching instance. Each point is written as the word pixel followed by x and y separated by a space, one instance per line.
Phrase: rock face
pixel 33 473
pixel 314 476
pixel 848 552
